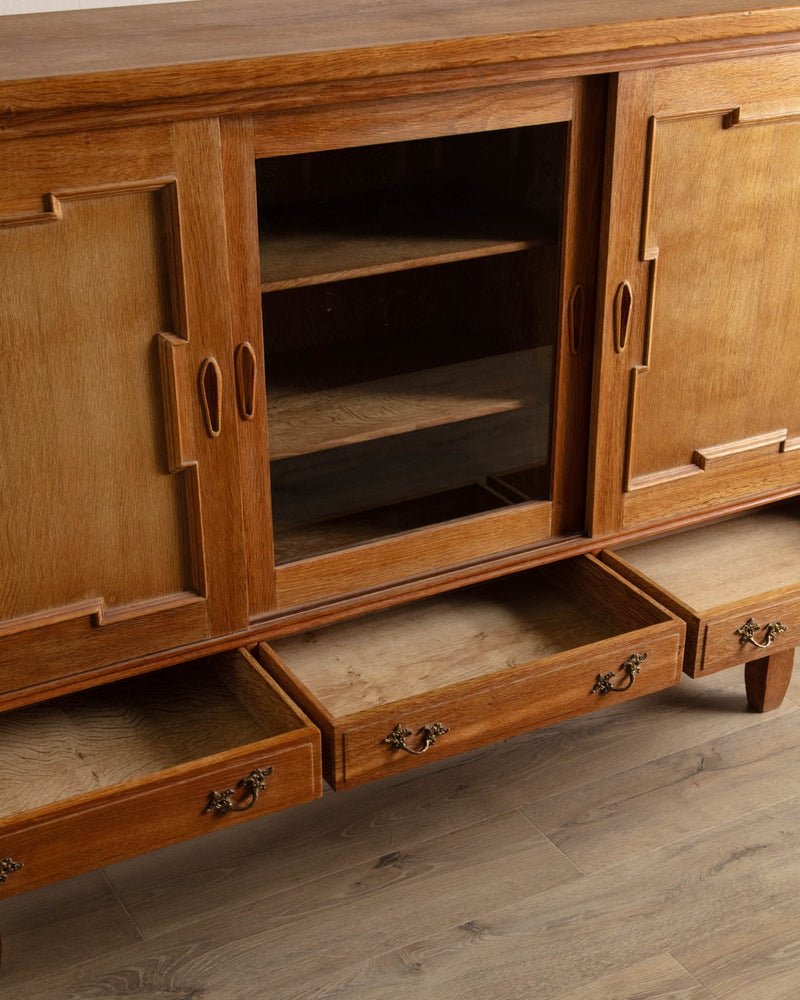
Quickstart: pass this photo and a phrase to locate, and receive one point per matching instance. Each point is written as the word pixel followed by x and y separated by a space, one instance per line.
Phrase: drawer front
pixel 78 839
pixel 533 696
pixel 772 625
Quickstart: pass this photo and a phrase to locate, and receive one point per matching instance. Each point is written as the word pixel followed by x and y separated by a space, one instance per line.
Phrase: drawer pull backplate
pixel 630 668
pixel 221 803
pixel 771 631
pixel 7 866
pixel 430 732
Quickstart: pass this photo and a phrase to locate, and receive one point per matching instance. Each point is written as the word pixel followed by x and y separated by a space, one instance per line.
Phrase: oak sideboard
pixel 380 380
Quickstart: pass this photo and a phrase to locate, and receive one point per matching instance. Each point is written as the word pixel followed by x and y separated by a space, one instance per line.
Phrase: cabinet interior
pixel 410 312
pixel 113 734
pixel 725 561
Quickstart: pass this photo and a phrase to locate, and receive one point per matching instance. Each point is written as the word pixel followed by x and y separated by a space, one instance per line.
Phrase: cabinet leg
pixel 767 679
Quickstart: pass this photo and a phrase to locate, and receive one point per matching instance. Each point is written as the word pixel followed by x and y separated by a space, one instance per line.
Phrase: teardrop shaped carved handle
pixel 430 732
pixel 8 867
pixel 630 669
pixel 577 318
pixel 623 307
pixel 772 630
pixel 211 395
pixel 245 364
pixel 222 802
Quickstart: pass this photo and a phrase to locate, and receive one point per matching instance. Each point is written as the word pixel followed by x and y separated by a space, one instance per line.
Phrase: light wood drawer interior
pixel 153 748
pixel 721 575
pixel 569 623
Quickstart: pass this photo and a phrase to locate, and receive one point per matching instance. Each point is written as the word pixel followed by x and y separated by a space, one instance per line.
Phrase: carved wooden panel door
pixel 698 405
pixel 120 522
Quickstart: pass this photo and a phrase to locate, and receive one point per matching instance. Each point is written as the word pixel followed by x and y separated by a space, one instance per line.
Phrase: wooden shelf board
pixel 323 487
pixel 380 233
pixel 304 423
pixel 299 541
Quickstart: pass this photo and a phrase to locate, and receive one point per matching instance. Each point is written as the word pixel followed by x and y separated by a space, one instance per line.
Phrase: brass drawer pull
pixel 221 803
pixel 7 866
pixel 631 667
pixel 398 736
pixel 771 631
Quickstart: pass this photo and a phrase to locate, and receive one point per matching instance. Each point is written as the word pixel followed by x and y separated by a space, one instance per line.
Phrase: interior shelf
pixel 379 232
pixel 297 541
pixel 303 423
pixel 329 485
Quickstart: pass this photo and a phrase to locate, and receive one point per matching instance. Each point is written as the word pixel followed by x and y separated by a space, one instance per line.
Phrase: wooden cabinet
pixel 336 350
pixel 121 526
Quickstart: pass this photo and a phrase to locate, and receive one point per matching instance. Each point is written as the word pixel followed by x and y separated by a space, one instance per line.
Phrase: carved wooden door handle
pixel 245 365
pixel 623 306
pixel 211 395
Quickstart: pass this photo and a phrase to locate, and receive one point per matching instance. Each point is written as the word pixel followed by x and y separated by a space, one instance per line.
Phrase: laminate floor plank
pixel 67 923
pixel 736 886
pixel 681 795
pixel 335 919
pixel 178 884
pixel 766 967
pixel 659 978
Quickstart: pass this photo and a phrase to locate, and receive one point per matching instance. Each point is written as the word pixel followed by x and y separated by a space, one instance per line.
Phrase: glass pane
pixel 410 316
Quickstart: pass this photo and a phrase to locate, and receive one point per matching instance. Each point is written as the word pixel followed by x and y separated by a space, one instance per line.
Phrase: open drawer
pixel 736 583
pixel 95 777
pixel 466 668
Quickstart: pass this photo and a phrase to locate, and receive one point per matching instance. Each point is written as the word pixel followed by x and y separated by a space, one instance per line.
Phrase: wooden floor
pixel 651 850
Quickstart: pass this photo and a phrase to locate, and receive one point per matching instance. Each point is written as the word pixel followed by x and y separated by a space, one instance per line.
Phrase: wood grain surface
pixel 358 665
pixel 278 46
pixel 729 561
pixel 113 734
pixel 400 404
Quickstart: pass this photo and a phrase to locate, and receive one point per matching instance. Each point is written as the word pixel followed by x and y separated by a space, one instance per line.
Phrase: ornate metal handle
pixel 221 803
pixel 771 631
pixel 7 866
pixel 430 732
pixel 630 668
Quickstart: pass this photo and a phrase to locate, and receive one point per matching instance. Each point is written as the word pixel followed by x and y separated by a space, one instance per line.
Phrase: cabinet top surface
pixel 160 35
pixel 91 59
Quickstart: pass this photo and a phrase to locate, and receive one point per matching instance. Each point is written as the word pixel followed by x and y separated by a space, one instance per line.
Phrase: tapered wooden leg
pixel 766 680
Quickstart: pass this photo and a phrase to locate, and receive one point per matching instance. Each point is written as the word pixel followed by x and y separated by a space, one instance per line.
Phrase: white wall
pixel 35 6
